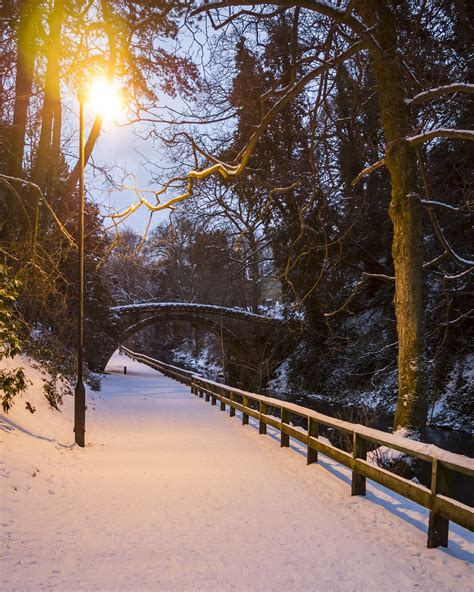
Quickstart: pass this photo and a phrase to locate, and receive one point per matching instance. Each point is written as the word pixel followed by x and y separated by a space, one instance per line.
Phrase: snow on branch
pixel 431 202
pixel 441 132
pixel 440 91
pixel 445 244
pixel 323 6
pixel 448 249
pixel 459 275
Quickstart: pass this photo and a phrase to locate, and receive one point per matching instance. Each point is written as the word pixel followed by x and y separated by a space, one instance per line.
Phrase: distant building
pixel 271 290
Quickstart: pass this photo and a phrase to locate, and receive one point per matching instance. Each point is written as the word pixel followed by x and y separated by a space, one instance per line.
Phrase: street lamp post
pixel 80 392
pixel 105 99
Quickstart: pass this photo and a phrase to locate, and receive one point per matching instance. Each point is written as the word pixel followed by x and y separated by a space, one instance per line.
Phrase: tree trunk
pixel 405 213
pixel 19 213
pixel 25 64
pixel 50 137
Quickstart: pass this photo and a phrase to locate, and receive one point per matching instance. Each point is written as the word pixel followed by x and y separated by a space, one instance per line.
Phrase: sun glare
pixel 106 100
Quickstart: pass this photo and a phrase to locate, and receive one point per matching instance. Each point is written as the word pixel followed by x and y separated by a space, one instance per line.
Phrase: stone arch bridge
pixel 254 344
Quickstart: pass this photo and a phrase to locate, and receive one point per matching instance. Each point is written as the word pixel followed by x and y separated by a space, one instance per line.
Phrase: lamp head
pixel 105 99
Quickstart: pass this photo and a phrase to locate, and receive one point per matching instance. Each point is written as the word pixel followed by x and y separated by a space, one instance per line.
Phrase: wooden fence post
pixel 231 409
pixel 245 417
pixel 285 418
pixel 262 426
pixel 208 396
pixel 359 451
pixel 213 398
pixel 313 432
pixel 222 393
pixel 438 527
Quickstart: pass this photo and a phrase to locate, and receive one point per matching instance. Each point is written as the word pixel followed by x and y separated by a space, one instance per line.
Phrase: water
pixel 454 441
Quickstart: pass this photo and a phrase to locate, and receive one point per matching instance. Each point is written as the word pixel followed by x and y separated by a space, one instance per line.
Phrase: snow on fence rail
pixel 184 376
pixel 442 506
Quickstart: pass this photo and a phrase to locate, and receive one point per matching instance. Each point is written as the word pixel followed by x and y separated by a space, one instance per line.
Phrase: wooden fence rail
pixel 442 506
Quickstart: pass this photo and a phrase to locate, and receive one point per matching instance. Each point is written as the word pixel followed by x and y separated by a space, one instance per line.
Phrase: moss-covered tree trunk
pixel 405 213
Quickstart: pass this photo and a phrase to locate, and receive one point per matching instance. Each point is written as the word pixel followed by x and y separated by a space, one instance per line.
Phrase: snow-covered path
pixel 171 494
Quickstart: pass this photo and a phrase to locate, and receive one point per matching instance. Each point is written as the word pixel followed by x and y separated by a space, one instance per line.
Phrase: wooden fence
pixel 442 506
pixel 184 376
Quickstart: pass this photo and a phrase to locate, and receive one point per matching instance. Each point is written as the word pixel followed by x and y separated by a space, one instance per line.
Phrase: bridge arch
pixel 250 339
pixel 193 308
pixel 216 327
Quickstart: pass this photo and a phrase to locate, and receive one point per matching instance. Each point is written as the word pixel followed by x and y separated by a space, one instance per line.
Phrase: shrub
pixel 12 381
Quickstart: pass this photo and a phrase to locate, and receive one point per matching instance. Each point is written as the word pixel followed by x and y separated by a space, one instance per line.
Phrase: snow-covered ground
pixel 170 494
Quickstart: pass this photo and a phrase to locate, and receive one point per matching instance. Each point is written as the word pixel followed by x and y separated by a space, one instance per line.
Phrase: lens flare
pixel 105 99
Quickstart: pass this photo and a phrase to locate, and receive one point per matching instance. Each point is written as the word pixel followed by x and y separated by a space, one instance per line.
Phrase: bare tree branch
pixel 234 169
pixel 440 91
pixel 420 139
pixel 453 134
pixel 339 14
pixel 434 221
pixel 460 274
pixel 10 181
pixel 373 167
pixel 430 202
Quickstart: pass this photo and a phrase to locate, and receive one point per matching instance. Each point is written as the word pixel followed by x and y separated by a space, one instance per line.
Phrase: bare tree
pixel 359 28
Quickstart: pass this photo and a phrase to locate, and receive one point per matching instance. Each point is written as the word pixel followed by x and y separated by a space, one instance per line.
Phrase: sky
pixel 124 146
pixel 118 145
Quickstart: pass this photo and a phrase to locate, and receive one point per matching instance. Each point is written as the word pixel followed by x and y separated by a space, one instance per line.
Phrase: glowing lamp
pixel 106 100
